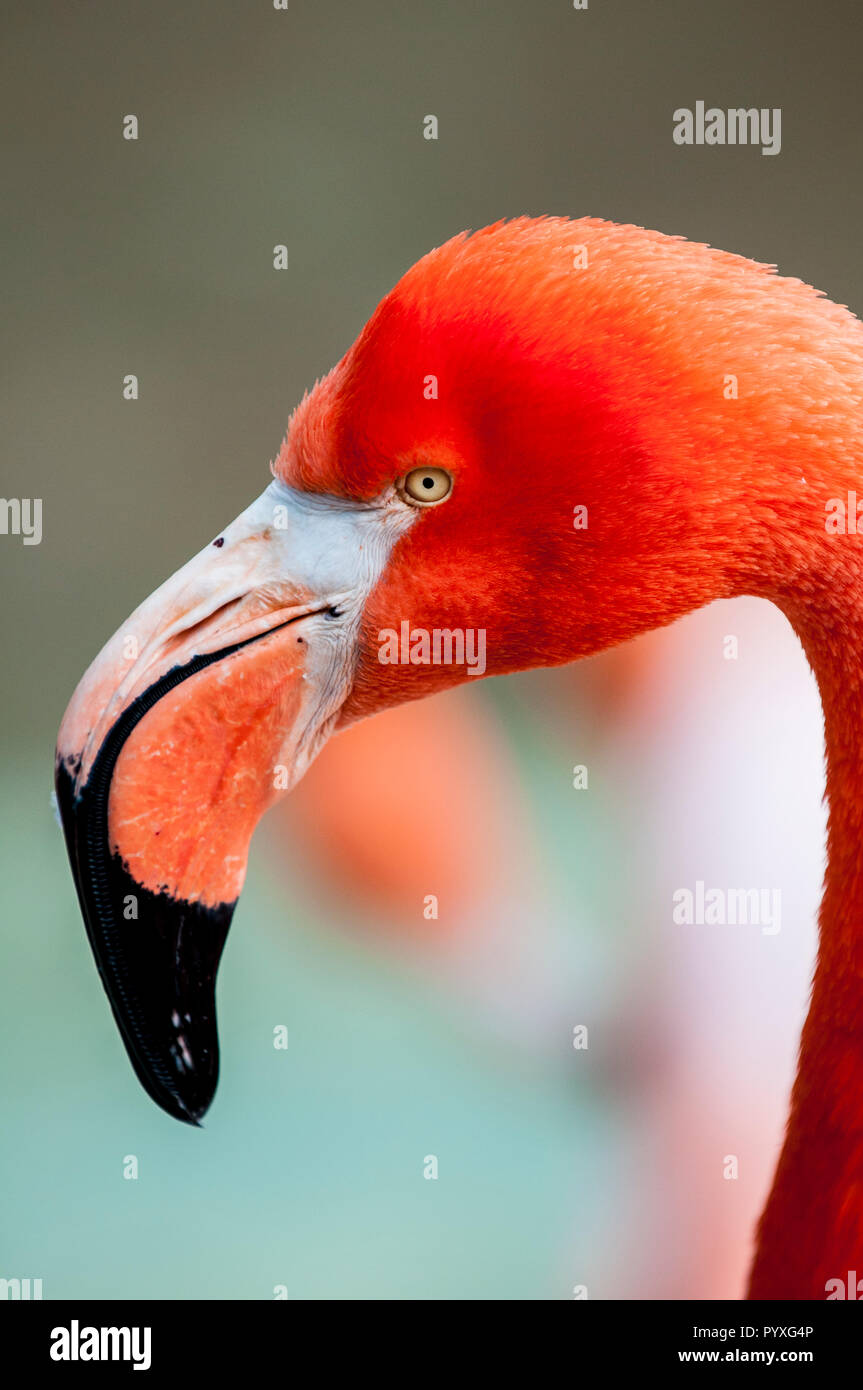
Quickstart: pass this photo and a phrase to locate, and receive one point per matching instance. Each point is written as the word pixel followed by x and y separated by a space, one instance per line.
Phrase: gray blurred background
pixel 154 257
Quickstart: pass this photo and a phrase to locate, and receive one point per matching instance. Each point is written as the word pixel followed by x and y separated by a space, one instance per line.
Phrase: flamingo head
pixel 531 452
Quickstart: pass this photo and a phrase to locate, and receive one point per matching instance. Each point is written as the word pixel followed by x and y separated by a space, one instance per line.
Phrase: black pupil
pixel 428 482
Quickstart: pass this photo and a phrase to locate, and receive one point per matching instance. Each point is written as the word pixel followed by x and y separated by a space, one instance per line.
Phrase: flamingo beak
pixel 207 704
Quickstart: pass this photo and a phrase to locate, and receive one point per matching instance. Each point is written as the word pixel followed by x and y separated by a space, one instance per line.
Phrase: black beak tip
pixel 157 955
pixel 176 1063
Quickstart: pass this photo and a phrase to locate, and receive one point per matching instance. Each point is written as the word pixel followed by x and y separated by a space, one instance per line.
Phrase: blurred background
pixel 558 1168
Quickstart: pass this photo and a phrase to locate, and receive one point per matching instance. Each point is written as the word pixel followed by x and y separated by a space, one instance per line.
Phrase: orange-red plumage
pixel 583 363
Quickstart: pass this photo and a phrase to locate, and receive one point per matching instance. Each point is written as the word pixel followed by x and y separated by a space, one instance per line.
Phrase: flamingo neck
pixel 811 1232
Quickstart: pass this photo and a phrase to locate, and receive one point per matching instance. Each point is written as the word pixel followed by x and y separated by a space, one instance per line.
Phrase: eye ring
pixel 425 487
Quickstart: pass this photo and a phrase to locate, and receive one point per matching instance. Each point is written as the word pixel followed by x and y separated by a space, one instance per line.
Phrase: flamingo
pixel 695 411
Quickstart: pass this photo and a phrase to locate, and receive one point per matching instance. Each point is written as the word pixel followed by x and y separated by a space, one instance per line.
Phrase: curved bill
pixel 204 707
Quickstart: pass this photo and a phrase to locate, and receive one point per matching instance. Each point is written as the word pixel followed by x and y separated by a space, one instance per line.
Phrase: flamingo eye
pixel 425 485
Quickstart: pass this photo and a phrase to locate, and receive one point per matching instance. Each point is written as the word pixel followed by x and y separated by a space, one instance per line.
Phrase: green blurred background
pixel 154 257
